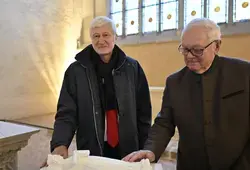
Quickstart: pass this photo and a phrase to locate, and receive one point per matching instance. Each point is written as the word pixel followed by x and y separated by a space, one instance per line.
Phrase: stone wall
pixel 38 40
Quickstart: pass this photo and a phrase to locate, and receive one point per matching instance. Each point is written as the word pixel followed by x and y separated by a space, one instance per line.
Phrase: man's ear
pixel 218 45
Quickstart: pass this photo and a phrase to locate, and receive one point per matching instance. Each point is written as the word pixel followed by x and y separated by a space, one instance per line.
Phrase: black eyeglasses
pixel 198 52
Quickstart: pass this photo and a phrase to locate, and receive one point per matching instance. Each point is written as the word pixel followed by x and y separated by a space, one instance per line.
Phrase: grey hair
pixel 101 21
pixel 214 32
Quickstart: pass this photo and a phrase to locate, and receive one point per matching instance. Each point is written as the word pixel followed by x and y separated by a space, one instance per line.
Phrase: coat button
pixel 96 113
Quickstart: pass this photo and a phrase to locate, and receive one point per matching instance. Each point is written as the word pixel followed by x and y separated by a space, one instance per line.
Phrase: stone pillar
pixel 13 137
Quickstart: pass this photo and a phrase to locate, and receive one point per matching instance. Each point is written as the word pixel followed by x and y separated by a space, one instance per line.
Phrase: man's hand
pixel 139 155
pixel 60 150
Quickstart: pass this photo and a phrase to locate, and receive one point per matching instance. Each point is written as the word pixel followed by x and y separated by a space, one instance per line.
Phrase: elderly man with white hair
pixel 104 98
pixel 208 101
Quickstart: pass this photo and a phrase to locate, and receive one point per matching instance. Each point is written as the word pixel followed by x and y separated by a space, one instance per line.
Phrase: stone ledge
pixel 13 137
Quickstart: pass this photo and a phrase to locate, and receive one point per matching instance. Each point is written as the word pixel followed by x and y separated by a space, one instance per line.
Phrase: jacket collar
pixel 84 56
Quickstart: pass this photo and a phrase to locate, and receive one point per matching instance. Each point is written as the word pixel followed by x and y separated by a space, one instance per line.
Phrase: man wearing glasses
pixel 208 101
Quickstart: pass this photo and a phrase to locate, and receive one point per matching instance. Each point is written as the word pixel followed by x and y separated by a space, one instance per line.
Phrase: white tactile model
pixel 81 160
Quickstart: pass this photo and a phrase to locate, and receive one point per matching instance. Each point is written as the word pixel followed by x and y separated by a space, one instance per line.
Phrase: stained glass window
pixel 217 10
pixel 116 6
pixel 132 12
pixel 134 16
pixel 169 14
pixel 241 10
pixel 150 17
pixel 193 9
pixel 116 15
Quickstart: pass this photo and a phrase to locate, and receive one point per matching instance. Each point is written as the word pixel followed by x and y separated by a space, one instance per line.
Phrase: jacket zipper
pixel 113 73
pixel 93 103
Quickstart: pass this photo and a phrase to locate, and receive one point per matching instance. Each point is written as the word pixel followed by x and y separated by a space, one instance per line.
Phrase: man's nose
pixel 189 55
pixel 101 39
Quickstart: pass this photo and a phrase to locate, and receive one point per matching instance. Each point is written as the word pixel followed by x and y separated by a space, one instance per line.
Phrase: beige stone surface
pixel 13 137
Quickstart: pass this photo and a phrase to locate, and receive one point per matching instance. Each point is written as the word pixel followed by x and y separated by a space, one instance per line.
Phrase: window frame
pixel 229 28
